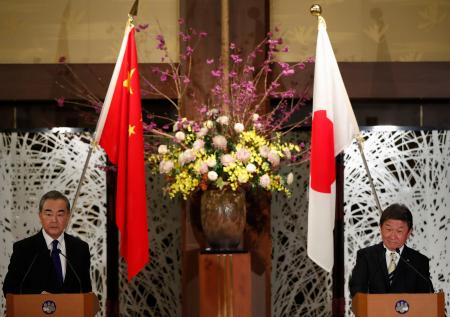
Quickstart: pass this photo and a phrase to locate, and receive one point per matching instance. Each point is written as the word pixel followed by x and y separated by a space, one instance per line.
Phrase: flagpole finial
pixel 316 10
pixel 134 8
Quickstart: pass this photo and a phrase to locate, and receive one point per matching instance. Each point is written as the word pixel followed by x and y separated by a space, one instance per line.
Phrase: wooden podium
pixel 62 305
pixel 387 305
pixel 225 285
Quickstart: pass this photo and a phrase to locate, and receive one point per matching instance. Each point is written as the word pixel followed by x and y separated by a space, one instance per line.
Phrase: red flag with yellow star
pixel 119 132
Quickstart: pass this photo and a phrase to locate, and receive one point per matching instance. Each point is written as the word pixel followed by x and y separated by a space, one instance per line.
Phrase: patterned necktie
pixel 392 266
pixel 57 262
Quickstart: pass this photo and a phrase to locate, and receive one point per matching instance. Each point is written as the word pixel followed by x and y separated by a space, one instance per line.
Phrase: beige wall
pixel 368 30
pixel 90 31
pixel 84 31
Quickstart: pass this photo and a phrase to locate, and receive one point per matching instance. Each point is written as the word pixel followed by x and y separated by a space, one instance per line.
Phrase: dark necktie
pixel 57 262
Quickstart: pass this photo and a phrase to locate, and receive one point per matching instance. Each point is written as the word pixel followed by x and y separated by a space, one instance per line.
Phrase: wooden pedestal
pixel 225 285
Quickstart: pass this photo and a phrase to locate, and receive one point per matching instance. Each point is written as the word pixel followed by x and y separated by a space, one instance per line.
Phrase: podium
pixel 394 305
pixel 55 305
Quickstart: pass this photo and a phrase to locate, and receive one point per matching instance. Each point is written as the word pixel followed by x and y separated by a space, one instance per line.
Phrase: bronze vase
pixel 223 215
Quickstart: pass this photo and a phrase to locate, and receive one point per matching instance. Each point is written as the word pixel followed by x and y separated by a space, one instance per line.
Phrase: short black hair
pixel 53 194
pixel 397 212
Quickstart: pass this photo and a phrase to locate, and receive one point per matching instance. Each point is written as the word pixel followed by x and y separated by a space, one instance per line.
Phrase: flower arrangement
pixel 233 143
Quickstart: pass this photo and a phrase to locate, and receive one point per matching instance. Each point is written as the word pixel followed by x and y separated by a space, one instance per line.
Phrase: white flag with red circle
pixel 333 128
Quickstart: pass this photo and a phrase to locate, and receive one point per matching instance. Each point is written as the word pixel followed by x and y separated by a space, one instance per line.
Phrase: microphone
pixel 430 285
pixel 28 271
pixel 73 270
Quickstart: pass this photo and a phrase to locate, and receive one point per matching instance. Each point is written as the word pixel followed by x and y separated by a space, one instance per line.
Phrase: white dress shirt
pixel 388 256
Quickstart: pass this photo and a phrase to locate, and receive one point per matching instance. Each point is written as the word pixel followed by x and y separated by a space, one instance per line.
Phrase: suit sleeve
pixel 424 286
pixel 359 280
pixel 16 271
pixel 86 269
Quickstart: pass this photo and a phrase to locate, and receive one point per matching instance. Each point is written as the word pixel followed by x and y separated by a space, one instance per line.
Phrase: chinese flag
pixel 119 132
pixel 333 128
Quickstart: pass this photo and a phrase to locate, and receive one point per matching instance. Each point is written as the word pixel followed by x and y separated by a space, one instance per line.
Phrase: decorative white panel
pixel 299 286
pixel 156 290
pixel 408 167
pixel 32 164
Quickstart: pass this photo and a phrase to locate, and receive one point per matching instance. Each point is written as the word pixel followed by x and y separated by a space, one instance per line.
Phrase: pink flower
pixel 203 168
pixel 227 159
pixel 273 158
pixel 186 157
pixel 264 181
pixel 203 34
pixel 198 145
pixel 243 155
pixel 264 151
pixel 210 61
pixel 220 142
pixel 202 132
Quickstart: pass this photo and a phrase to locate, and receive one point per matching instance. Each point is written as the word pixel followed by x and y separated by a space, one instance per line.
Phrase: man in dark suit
pixel 51 260
pixel 390 266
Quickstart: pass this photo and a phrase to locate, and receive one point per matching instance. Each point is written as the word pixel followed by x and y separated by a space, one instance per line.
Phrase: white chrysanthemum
pixel 211 162
pixel 180 136
pixel 255 117
pixel 273 158
pixel 202 132
pixel 165 166
pixel 212 176
pixel 162 149
pixel 209 124
pixel 226 159
pixel 238 127
pixel 251 168
pixel 223 120
pixel 290 178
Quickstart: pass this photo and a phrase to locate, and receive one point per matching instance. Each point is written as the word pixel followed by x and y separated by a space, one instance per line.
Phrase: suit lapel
pixel 68 278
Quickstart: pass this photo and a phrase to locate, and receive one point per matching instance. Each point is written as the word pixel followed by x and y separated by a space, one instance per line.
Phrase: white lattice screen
pixel 409 167
pixel 299 286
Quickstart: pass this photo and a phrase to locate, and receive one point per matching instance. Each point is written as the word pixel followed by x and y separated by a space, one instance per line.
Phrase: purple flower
pixel 60 101
pixel 236 58
pixel 163 76
pixel 161 42
pixel 189 51
pixel 216 73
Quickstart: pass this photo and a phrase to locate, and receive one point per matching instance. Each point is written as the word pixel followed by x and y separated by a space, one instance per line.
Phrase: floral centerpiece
pixel 234 142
